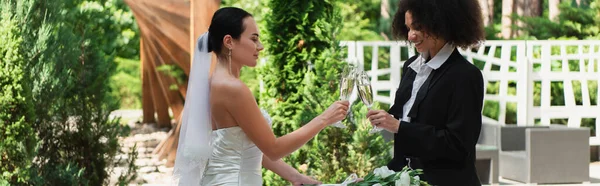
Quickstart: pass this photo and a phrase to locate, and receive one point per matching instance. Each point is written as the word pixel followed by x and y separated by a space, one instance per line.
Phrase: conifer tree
pixel 17 136
pixel 56 114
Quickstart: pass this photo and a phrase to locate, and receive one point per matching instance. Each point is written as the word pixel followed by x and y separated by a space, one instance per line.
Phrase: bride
pixel 224 136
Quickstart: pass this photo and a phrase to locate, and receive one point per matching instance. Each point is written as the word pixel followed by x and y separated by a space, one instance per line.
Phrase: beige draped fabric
pixel 169 29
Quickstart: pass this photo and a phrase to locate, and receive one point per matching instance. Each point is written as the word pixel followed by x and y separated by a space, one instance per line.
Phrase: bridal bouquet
pixel 382 176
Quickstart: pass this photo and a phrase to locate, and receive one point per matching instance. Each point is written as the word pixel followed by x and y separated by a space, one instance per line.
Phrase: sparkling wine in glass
pixel 346 87
pixel 365 92
pixel 347 82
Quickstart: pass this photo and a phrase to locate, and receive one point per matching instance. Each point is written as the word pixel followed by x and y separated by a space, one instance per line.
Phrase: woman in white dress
pixel 225 138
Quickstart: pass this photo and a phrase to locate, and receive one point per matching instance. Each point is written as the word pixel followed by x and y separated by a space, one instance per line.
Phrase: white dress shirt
pixel 423 69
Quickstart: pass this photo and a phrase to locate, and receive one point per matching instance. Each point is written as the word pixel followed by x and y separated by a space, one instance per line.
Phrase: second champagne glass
pixel 365 92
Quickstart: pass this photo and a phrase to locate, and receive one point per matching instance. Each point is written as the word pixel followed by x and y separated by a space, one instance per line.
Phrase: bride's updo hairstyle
pixel 226 21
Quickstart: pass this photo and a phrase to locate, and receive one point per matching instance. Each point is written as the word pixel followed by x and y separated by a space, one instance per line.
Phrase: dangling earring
pixel 229 60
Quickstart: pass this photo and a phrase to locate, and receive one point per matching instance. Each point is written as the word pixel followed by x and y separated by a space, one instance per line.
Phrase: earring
pixel 229 56
pixel 229 60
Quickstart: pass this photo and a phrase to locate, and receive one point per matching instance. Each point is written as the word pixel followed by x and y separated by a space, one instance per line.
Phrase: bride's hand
pixel 300 179
pixel 336 112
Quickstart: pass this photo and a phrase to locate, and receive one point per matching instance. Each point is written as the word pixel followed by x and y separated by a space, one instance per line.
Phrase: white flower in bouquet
pixel 416 180
pixel 404 179
pixel 383 172
pixel 385 176
pixel 378 185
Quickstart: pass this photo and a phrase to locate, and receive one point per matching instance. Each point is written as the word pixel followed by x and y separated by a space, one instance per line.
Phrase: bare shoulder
pixel 230 88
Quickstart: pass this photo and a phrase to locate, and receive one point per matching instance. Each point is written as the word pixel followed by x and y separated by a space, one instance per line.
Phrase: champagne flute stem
pixel 369 109
pixel 375 129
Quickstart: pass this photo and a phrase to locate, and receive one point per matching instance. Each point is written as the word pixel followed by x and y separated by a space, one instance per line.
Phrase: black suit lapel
pixel 404 91
pixel 455 56
pixel 421 95
pixel 431 80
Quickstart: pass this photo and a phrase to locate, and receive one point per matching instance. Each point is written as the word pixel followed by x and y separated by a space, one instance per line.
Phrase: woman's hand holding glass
pixel 336 112
pixel 383 120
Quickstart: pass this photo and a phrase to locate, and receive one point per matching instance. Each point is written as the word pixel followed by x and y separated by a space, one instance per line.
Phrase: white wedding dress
pixel 235 159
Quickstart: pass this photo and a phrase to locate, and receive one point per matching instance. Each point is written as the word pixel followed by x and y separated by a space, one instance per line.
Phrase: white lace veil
pixel 195 141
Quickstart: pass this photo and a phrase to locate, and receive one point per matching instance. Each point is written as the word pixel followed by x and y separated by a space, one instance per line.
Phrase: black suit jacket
pixel 445 122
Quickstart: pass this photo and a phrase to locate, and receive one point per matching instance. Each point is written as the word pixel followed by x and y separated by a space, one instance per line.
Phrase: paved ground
pixel 153 172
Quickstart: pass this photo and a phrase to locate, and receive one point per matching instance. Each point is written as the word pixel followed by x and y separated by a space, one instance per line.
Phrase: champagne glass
pixel 346 87
pixel 365 92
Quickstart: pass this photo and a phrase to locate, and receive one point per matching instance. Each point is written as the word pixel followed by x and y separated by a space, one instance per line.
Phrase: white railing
pixel 521 68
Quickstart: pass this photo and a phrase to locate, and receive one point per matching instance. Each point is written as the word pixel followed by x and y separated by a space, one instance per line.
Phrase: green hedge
pixel 17 137
pixel 56 97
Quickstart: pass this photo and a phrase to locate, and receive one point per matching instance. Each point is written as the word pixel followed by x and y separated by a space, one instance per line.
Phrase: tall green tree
pixel 78 138
pixel 61 65
pixel 574 21
pixel 359 20
pixel 389 8
pixel 126 83
pixel 17 136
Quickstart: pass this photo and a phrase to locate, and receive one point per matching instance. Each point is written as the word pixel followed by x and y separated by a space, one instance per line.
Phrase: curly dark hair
pixel 457 21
